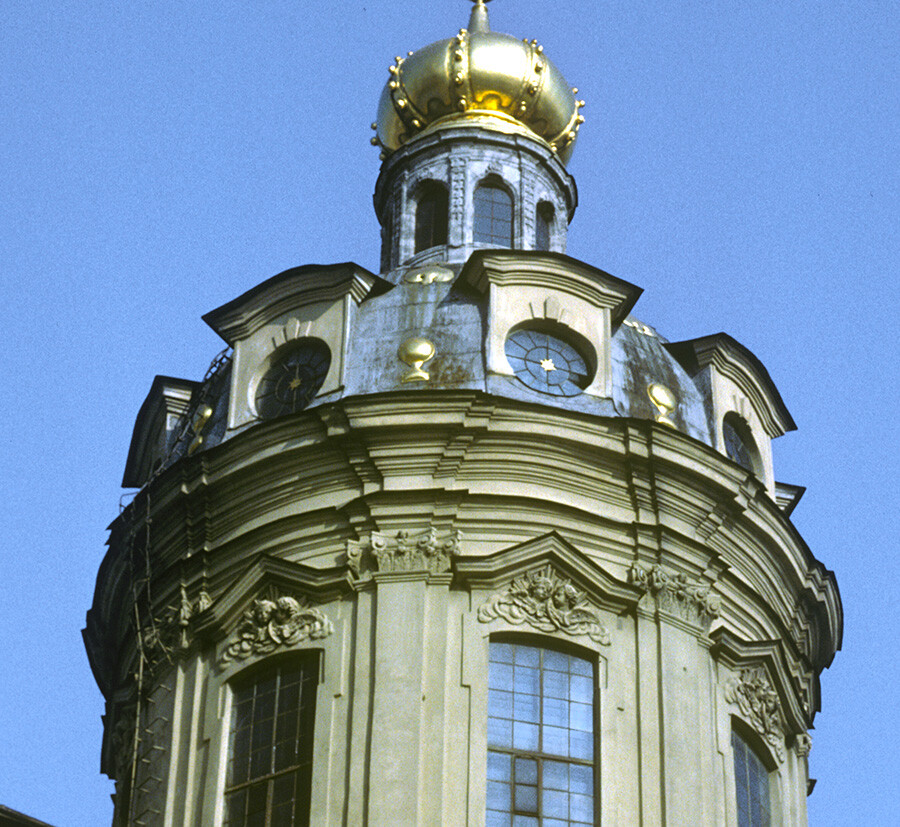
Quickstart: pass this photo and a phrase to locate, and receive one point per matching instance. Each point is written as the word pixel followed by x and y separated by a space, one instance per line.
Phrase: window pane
pixel 493 216
pixel 498 795
pixel 432 213
pixel 499 766
pixel 497 819
pixel 542 226
pixel 751 783
pixel 526 771
pixel 549 743
pixel 270 766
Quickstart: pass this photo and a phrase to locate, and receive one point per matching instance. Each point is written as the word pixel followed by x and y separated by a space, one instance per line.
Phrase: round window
pixel 546 363
pixel 293 379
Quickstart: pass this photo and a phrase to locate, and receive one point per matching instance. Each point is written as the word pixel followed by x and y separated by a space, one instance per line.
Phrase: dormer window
pixel 493 215
pixel 432 212
pixel 543 226
pixel 739 444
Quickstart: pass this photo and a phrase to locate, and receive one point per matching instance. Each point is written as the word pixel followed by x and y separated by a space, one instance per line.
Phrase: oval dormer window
pixel 739 444
pixel 293 378
pixel 547 363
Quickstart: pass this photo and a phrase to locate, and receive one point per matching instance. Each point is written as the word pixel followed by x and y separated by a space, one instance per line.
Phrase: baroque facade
pixel 463 542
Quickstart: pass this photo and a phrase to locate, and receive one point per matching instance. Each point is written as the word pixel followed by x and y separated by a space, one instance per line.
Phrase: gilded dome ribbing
pixel 481 78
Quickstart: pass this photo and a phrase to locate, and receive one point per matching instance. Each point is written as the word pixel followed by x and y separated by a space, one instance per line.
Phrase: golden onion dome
pixel 479 78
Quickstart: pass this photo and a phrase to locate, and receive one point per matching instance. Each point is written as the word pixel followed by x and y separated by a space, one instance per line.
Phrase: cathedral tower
pixel 463 542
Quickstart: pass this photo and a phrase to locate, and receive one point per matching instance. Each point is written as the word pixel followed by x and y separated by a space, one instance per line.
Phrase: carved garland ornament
pixel 402 552
pixel 676 592
pixel 547 602
pixel 758 702
pixel 275 622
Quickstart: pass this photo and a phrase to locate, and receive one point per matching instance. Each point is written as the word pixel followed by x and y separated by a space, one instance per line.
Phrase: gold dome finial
pixel 478 20
pixel 482 79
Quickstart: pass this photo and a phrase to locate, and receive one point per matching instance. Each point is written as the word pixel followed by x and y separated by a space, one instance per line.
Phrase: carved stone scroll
pixel 677 593
pixel 547 602
pixel 273 623
pixel 803 744
pixel 403 551
pixel 758 702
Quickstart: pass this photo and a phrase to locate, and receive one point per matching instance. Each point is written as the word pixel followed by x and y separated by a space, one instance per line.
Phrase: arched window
pixel 739 444
pixel 540 733
pixel 493 215
pixel 543 226
pixel 432 212
pixel 271 747
pixel 387 241
pixel 751 784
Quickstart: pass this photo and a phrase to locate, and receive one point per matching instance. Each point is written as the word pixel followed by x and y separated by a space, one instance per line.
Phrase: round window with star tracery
pixel 547 363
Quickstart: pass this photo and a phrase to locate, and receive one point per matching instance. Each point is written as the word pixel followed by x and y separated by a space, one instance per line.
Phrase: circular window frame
pixel 566 337
pixel 281 353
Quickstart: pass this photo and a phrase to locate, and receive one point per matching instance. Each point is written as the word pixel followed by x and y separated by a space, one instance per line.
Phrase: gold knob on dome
pixel 200 419
pixel 662 397
pixel 665 402
pixel 415 352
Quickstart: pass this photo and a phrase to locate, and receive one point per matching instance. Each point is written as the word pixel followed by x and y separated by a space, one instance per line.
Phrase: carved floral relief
pixel 547 602
pixel 171 634
pixel 273 623
pixel 403 551
pixel 677 593
pixel 758 702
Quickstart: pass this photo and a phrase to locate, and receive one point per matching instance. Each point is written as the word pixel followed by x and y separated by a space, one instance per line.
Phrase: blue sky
pixel 739 161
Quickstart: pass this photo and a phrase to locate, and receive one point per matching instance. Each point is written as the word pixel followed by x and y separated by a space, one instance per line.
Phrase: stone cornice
pixel 264 575
pixel 294 288
pixel 554 271
pixel 168 396
pixel 733 360
pixel 438 140
pixel 795 708
pixel 495 571
pixel 622 489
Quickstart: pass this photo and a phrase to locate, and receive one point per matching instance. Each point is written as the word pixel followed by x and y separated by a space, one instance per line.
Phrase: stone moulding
pixel 275 622
pixel 677 593
pixel 753 694
pixel 547 602
pixel 403 551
